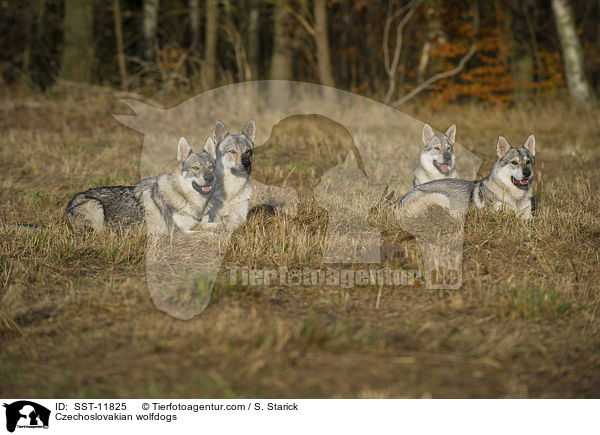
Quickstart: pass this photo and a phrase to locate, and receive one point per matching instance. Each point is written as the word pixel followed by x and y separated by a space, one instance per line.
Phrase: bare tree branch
pixel 391 67
pixel 436 77
pixel 119 37
pixel 304 20
pixel 234 36
pixel 386 32
pixel 386 36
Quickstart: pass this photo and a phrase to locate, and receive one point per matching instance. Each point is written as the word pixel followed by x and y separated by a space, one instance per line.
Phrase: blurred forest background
pixel 493 52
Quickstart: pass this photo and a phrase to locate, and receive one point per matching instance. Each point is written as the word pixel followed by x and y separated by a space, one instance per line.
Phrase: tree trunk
pixel 150 25
pixel 533 49
pixel 435 34
pixel 281 59
pixel 239 47
pixel 254 38
pixel 578 84
pixel 36 76
pixel 119 38
pixel 210 44
pixel 373 62
pixel 322 41
pixel 194 23
pixel 26 62
pixel 423 61
pixel 78 53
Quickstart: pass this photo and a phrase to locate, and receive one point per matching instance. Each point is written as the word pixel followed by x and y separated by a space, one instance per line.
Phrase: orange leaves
pixel 488 77
pixel 171 57
pixel 448 50
pixel 552 70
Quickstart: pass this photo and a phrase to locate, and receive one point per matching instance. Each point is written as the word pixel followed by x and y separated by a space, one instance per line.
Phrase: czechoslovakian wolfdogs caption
pixel 436 161
pixel 167 204
pixel 508 187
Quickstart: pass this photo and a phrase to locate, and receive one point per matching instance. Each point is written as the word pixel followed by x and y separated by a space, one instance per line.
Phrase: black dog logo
pixel 31 412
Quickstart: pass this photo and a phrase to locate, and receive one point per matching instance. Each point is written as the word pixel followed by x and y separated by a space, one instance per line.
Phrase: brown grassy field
pixel 76 319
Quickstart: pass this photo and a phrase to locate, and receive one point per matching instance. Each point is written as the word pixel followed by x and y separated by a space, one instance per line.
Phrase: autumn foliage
pixel 488 78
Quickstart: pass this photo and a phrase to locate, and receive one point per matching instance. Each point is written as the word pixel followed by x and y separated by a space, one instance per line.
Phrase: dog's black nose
pixel 209 178
pixel 447 156
pixel 526 172
pixel 247 160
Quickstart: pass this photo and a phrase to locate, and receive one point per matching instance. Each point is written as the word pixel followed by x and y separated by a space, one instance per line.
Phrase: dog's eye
pixel 231 151
pixel 210 166
pixel 196 168
pixel 527 162
pixel 436 148
pixel 514 162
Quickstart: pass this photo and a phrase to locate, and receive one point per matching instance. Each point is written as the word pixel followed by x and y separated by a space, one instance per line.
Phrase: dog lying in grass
pixel 508 187
pixel 167 204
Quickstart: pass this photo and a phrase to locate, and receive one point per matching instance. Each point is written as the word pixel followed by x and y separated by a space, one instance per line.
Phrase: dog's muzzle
pixel 444 167
pixel 247 161
pixel 241 172
pixel 203 190
pixel 521 184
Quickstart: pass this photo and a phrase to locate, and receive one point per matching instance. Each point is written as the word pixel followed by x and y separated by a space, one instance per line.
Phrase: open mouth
pixel 444 168
pixel 522 184
pixel 204 190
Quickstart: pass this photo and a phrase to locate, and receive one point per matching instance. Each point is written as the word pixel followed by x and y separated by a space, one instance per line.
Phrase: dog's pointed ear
pixel 219 132
pixel 250 130
pixel 427 134
pixel 210 148
pixel 502 147
pixel 183 150
pixel 529 144
pixel 451 132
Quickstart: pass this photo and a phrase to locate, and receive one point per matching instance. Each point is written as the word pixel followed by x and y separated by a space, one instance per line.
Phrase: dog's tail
pixel 261 210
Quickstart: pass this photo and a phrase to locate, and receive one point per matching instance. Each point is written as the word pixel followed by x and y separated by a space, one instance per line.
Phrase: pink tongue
pixel 523 181
pixel 206 189
pixel 444 168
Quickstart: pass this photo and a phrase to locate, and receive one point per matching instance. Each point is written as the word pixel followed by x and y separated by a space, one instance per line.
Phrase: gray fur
pixel 174 202
pixel 229 204
pixel 436 161
pixel 509 184
pixel 507 187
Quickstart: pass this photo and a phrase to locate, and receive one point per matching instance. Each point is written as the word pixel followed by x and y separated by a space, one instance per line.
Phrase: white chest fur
pixel 184 222
pixel 231 204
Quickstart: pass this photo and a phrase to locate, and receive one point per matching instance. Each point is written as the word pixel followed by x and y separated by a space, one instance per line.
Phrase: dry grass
pixel 76 318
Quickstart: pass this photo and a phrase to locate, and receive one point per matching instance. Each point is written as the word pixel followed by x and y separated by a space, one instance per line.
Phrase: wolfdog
pixel 174 202
pixel 507 187
pixel 437 156
pixel 229 204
